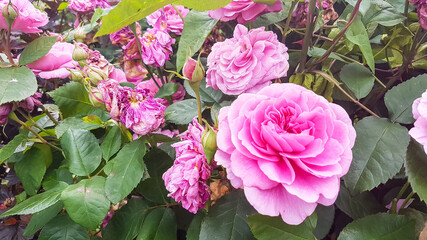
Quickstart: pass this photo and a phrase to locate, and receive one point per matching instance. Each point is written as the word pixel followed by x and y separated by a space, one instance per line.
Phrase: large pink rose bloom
pixel 287 148
pixel 168 19
pixel 244 10
pixel 419 111
pixel 55 63
pixel 247 62
pixel 29 18
pixel 186 179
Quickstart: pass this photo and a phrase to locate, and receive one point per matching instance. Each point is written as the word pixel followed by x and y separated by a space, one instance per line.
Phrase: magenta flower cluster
pixel 186 179
pixel 135 108
pixel 244 11
pixel 247 62
pixel 167 18
pixel 287 148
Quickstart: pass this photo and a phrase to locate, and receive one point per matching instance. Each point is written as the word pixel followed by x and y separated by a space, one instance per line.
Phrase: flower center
pixel 149 38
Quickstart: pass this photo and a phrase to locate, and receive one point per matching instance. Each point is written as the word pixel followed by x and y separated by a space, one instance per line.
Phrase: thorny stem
pixel 49 115
pixel 196 89
pixel 162 76
pixel 407 199
pixel 308 35
pixel 405 13
pixel 402 191
pixel 31 120
pixel 352 18
pixel 6 42
pixel 288 20
pixel 343 91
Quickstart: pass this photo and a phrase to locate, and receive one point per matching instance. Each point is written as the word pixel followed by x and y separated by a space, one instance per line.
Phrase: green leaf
pixel 82 151
pixel 40 219
pixel 357 34
pixel 16 84
pixel 112 142
pixel 74 123
pixel 128 12
pixel 383 13
pixel 167 90
pixel 86 202
pixel 38 202
pixel 31 169
pixel 358 206
pixel 63 228
pixel 182 112
pixel 127 169
pixel 358 79
pixel 197 26
pixel 226 219
pixel 266 228
pixel 207 94
pixel 268 2
pixel 325 220
pixel 419 217
pixel 126 222
pixel 378 153
pixel 73 99
pixel 318 52
pixel 203 5
pixel 379 226
pixel 193 231
pixel 159 224
pixel 36 49
pixel 7 150
pixel 400 98
pixel 153 188
pixel 416 166
pixel 272 17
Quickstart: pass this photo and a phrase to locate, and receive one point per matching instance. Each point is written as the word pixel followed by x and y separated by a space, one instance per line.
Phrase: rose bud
pixel 79 34
pixel 76 75
pixel 79 54
pixel 96 98
pixel 10 13
pixel 193 70
pixel 209 143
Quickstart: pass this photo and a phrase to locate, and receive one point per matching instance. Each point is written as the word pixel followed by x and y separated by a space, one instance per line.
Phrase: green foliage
pixel 357 206
pixel 62 227
pixel 38 220
pixel 73 99
pixel 82 151
pixel 358 79
pixel 197 26
pixel 125 171
pixel 357 34
pixel 265 228
pixel 182 112
pixel 207 94
pixel 167 90
pixel 159 224
pixel 74 123
pixel 380 226
pixel 112 142
pixel 228 214
pixel 16 84
pixel 378 153
pixel 416 167
pixel 36 49
pixel 399 99
pixel 193 230
pixel 86 203
pixel 7 150
pixel 204 5
pixel 325 220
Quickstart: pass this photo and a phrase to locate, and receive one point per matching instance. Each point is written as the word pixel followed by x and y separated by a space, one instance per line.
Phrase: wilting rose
pixel 419 111
pixel 287 147
pixel 244 10
pixel 29 103
pixel 5 109
pixel 247 62
pixel 134 71
pixel 55 63
pixel 168 19
pixel 29 18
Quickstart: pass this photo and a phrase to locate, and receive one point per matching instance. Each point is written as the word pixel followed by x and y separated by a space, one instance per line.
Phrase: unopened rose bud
pixel 193 70
pixel 79 54
pixel 10 13
pixel 96 75
pixel 209 143
pixel 79 34
pixel 76 75
pixel 96 98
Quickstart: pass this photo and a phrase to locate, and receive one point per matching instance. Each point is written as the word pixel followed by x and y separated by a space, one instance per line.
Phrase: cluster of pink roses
pixel 186 179
pixel 136 108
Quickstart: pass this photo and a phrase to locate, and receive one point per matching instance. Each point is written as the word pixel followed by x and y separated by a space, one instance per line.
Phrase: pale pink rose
pixel 83 6
pixel 55 63
pixel 247 62
pixel 151 85
pixel 419 111
pixel 168 19
pixel 244 10
pixel 186 179
pixel 29 18
pixel 287 148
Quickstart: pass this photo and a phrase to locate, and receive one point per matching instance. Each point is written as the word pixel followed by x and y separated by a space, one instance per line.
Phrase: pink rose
pixel 418 132
pixel 244 10
pixel 422 14
pixel 55 63
pixel 87 5
pixel 5 109
pixel 247 62
pixel 29 18
pixel 287 147
pixel 29 103
pixel 168 19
